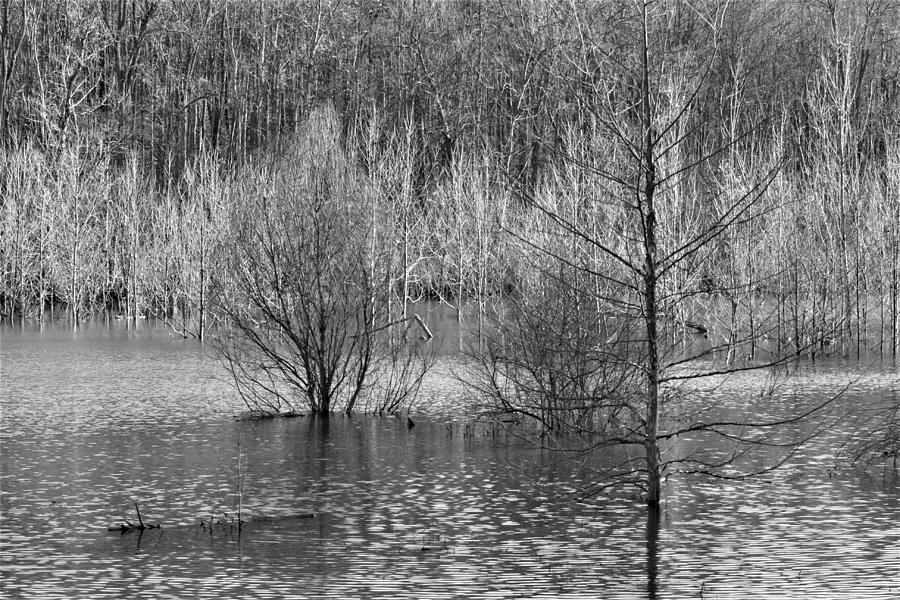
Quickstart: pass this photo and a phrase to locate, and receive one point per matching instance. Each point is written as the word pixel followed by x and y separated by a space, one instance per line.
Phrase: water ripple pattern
pixel 97 420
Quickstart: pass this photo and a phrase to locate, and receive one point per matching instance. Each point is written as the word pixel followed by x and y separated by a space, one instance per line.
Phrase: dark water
pixel 96 420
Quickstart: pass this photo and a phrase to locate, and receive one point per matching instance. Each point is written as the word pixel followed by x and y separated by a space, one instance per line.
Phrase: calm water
pixel 96 420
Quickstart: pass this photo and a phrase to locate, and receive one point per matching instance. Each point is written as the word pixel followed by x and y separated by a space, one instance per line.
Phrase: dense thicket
pixel 126 126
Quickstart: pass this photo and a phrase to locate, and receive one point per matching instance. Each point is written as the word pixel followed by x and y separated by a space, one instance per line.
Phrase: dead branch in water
pixel 211 523
pixel 128 527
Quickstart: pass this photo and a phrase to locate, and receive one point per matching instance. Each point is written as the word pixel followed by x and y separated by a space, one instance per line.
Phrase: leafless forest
pixel 136 134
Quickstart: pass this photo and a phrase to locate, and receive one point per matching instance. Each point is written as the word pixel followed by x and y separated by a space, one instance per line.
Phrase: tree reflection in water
pixel 652 550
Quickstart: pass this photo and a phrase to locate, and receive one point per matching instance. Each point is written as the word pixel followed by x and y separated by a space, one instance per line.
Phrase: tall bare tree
pixel 645 222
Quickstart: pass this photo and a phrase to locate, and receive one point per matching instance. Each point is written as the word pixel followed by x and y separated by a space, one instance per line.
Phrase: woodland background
pixel 135 133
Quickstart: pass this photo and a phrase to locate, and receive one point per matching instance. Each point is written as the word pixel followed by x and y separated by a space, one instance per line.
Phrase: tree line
pixel 121 119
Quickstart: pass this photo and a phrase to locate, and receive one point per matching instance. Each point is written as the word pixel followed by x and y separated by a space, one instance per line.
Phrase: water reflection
pixel 652 550
pixel 95 422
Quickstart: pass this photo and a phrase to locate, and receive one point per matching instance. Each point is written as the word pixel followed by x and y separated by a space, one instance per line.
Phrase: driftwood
pixel 225 520
pixel 427 336
pixel 128 526
pixel 281 518
pixel 260 415
pixel 235 521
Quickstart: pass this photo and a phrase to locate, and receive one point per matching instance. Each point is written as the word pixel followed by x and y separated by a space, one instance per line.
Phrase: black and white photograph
pixel 438 299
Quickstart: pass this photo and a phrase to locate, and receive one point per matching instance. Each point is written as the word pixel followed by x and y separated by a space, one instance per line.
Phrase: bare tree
pixel 198 226
pixel 308 305
pixel 644 220
pixel 82 188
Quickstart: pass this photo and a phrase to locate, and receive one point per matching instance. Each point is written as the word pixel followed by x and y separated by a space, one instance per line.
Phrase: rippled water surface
pixel 96 420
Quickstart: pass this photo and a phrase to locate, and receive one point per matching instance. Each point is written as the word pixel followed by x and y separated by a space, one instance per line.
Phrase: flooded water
pixel 96 420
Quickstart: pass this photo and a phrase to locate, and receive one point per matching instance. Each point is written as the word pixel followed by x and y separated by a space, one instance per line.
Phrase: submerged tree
pixel 639 211
pixel 307 306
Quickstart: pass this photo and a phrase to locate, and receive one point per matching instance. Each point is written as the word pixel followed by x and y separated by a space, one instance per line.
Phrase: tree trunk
pixel 648 217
